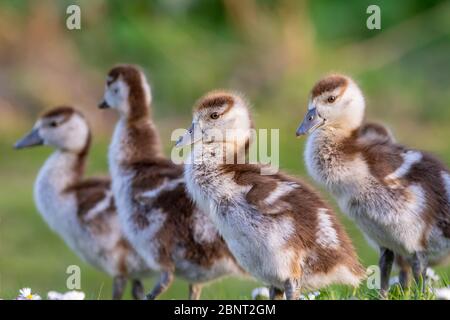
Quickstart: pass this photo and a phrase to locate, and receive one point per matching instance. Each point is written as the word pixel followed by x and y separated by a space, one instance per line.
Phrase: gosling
pixel 79 210
pixel 278 228
pixel 159 218
pixel 398 196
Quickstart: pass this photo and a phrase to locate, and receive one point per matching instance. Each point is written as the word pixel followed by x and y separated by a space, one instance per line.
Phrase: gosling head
pixel 335 102
pixel 127 91
pixel 219 117
pixel 63 128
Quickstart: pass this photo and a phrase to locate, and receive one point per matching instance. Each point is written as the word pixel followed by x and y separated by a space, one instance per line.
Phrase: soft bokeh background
pixel 273 51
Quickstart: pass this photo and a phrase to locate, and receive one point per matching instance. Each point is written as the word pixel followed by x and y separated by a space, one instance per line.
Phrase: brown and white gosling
pixel 159 218
pixel 398 196
pixel 80 210
pixel 278 228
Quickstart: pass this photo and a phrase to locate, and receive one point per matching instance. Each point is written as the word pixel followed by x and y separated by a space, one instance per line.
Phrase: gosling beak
pixel 31 139
pixel 311 122
pixel 104 105
pixel 192 135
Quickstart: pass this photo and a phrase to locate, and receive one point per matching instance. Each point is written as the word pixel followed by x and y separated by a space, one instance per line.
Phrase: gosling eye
pixel 214 115
pixel 53 124
pixel 331 99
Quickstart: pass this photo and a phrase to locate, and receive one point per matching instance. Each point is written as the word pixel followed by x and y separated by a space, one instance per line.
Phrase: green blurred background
pixel 273 51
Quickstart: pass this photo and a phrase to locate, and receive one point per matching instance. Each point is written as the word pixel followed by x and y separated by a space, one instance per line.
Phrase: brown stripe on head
pixel 130 73
pixel 217 98
pixel 328 84
pixel 65 112
pixel 139 95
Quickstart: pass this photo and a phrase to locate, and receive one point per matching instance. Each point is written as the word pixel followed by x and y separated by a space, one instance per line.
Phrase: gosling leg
pixel 137 290
pixel 404 274
pixel 419 267
pixel 119 283
pixel 385 263
pixel 165 280
pixel 195 290
pixel 275 293
pixel 291 288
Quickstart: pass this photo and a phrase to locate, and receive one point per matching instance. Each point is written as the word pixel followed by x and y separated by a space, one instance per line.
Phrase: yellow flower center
pixel 30 296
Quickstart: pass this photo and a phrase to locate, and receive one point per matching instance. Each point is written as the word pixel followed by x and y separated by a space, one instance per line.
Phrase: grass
pixel 31 255
pixel 396 292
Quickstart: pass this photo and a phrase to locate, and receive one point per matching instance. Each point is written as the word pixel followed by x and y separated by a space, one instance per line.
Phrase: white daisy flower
pixel 74 295
pixel 261 293
pixel 310 296
pixel 25 294
pixel 442 293
pixel 432 275
pixel 70 295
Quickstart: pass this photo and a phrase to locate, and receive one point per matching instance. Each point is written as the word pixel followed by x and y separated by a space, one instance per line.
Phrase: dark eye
pixel 116 90
pixel 53 124
pixel 331 99
pixel 214 115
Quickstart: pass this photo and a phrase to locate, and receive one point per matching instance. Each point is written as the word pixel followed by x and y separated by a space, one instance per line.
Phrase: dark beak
pixel 192 135
pixel 311 122
pixel 103 105
pixel 31 139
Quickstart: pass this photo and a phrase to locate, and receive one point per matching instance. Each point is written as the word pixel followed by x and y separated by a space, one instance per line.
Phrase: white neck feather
pixel 205 182
pixel 53 179
pixel 215 154
pixel 59 170
pixel 116 152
